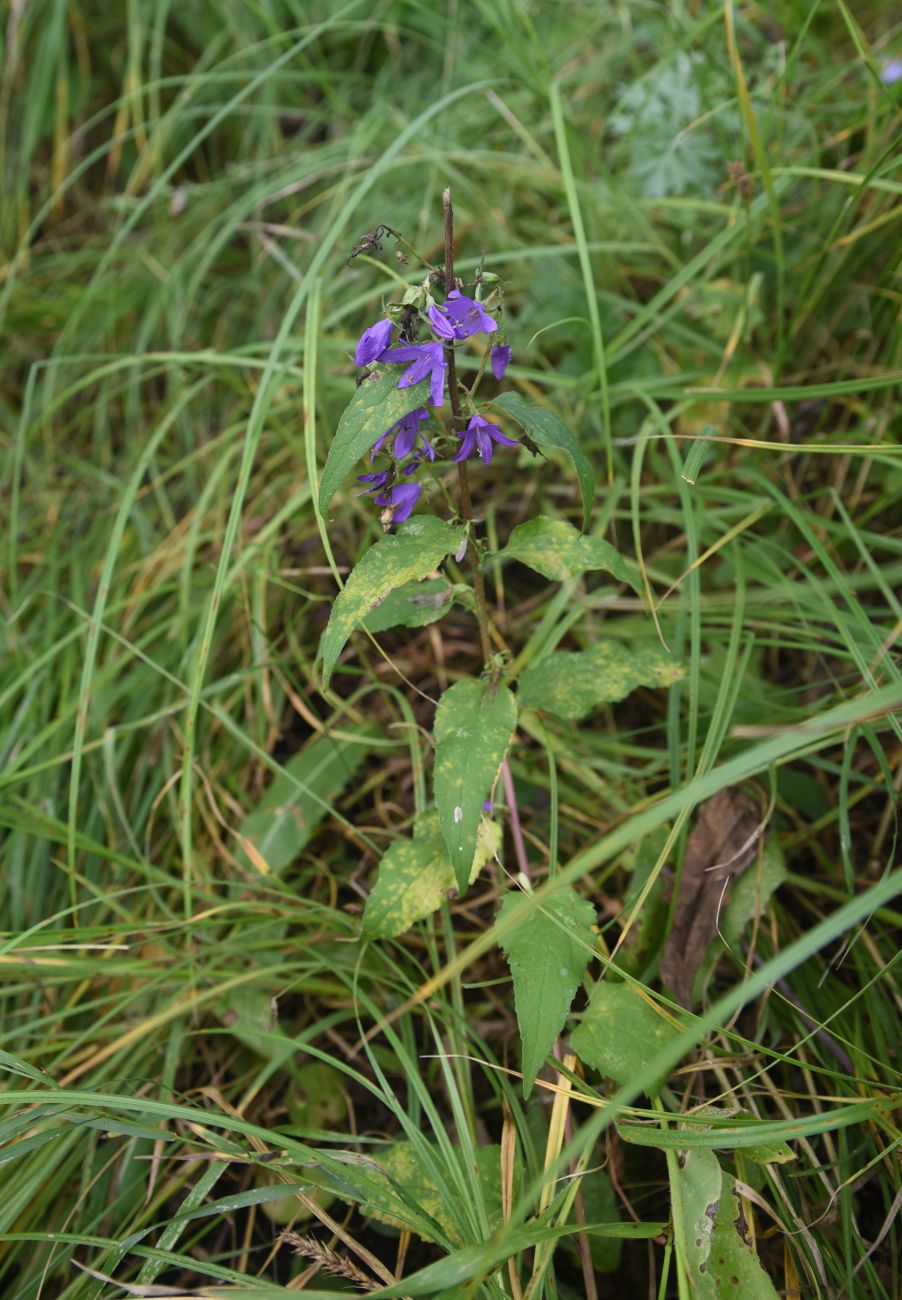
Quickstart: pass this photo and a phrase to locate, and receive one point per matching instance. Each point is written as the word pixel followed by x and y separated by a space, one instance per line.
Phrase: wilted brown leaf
pixel 722 843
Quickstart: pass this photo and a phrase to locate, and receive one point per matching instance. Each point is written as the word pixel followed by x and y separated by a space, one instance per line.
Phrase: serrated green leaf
pixel 474 722
pixel 572 684
pixel 548 430
pixel 408 555
pixel 415 877
pixel 619 1034
pixel 281 825
pixel 710 1233
pixel 377 404
pixel 416 604
pixel 557 550
pixel 548 954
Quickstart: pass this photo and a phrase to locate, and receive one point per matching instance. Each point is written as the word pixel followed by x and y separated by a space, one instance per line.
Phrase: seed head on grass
pixel 329 1260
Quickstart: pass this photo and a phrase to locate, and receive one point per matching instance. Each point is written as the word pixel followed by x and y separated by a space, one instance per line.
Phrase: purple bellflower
pixel 501 355
pixel 479 435
pixel 401 498
pixel 373 342
pixel 460 318
pixel 427 359
pixel 891 72
pixel 405 433
pixel 376 481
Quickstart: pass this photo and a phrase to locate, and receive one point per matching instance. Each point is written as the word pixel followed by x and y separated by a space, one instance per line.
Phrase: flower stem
pixel 466 501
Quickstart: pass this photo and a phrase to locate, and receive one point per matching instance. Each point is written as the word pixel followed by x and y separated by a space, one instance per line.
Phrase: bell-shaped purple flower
pixel 427 359
pixel 479 435
pixel 460 317
pixel 402 498
pixel 373 342
pixel 501 355
pixel 376 481
pixel 405 432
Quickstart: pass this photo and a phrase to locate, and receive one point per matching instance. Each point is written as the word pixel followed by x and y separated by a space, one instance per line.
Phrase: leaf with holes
pixel 711 1236
pixel 548 430
pixel 416 875
pixel 548 954
pixel 411 553
pixel 620 1033
pixel 474 722
pixel 573 684
pixel 555 549
pixel 376 406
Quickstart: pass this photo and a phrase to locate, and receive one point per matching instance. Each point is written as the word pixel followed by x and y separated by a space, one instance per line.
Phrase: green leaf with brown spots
pixel 557 550
pixel 474 722
pixel 548 430
pixel 415 877
pixel 573 684
pixel 620 1032
pixel 411 553
pixel 377 404
pixel 711 1236
pixel 548 954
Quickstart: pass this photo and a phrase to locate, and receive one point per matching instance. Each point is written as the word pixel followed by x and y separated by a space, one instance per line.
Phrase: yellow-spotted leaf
pixel 415 1190
pixel 546 429
pixel 411 553
pixel 416 875
pixel 620 1033
pixel 573 684
pixel 557 550
pixel 474 722
pixel 377 404
pixel 548 954
pixel 417 604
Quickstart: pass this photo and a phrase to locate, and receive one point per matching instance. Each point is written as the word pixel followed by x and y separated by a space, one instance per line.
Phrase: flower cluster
pixel 456 319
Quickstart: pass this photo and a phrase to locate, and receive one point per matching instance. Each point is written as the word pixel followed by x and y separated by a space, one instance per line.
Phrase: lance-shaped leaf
pixel 415 877
pixel 280 827
pixel 620 1033
pixel 415 550
pixel 376 406
pixel 474 722
pixel 548 430
pixel 573 684
pixel 548 953
pixel 557 550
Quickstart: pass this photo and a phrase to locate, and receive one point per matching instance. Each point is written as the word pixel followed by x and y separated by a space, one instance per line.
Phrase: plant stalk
pixel 466 501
